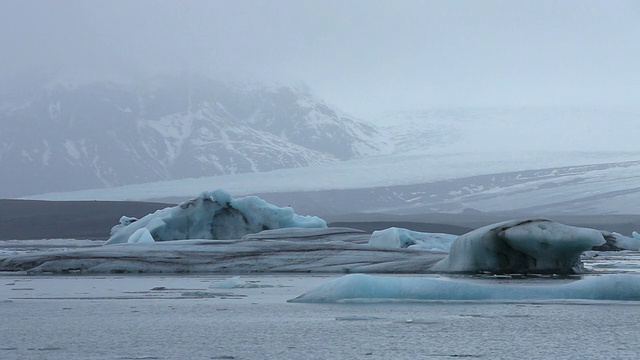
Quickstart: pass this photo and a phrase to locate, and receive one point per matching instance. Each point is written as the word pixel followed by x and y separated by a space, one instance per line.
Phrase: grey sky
pixel 364 56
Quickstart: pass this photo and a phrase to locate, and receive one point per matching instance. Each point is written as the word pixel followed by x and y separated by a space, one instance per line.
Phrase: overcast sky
pixel 363 56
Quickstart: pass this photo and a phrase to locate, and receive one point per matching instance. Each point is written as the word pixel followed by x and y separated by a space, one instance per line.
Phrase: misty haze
pixel 486 150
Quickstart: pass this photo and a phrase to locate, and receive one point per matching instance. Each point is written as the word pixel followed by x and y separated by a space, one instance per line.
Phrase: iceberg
pixel 617 242
pixel 366 288
pixel 399 238
pixel 521 246
pixel 213 215
pixel 216 233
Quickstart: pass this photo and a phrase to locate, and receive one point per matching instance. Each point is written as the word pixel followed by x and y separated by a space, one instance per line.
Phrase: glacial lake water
pixel 74 316
pixel 190 317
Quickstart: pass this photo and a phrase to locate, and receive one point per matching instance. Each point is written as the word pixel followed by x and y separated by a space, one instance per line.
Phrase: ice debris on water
pixel 237 283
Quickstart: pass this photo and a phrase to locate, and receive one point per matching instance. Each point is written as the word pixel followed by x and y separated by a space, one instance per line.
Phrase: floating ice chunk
pixel 231 283
pixel 402 238
pixel 627 243
pixel 212 215
pixel 535 245
pixel 635 235
pixel 237 283
pixel 616 241
pixel 360 287
pixel 337 253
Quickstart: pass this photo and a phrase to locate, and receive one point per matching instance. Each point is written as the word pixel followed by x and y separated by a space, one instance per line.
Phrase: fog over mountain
pixel 363 56
pixel 106 134
pixel 103 94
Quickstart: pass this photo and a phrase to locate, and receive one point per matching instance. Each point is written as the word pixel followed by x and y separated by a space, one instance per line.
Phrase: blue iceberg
pixel 365 288
pixel 214 215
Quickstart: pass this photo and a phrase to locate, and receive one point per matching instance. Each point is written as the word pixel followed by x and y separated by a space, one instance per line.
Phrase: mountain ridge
pixel 104 134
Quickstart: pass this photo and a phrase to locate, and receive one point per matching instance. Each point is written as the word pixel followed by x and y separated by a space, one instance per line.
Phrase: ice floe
pixel 237 283
pixel 617 242
pixel 287 250
pixel 364 288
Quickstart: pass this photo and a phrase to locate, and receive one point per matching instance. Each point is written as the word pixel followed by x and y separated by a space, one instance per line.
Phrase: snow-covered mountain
pixel 285 144
pixel 104 134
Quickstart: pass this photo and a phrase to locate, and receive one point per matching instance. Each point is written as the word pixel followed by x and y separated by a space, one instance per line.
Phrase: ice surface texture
pixel 403 238
pixel 212 215
pixel 329 250
pixel 535 245
pixel 617 242
pixel 359 287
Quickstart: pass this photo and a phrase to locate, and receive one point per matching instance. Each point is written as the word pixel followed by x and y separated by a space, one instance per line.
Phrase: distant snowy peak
pixel 298 116
pixel 203 139
pixel 108 134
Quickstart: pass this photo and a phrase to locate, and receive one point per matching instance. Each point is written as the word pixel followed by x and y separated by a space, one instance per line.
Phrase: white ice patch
pixel 536 245
pixel 402 238
pixel 212 215
pixel 363 288
pixel 619 241
pixel 635 235
pixel 141 236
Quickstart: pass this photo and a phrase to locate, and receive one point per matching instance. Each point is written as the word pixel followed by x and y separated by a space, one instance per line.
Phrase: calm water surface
pixel 190 317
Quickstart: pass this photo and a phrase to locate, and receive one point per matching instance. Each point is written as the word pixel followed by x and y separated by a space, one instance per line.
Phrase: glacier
pixel 367 288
